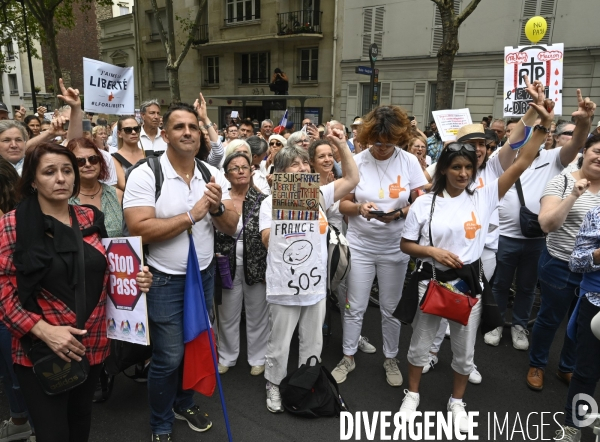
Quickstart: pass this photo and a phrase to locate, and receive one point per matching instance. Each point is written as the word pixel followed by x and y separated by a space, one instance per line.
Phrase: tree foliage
pixel 13 29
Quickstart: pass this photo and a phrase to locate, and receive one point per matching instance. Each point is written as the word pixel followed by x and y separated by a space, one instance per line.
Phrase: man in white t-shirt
pixel 150 137
pixel 186 201
pixel 520 254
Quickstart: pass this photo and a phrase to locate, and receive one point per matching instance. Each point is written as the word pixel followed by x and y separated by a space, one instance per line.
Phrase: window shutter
pixel 385 95
pixel 352 103
pixel 419 100
pixel 378 29
pixel 531 8
pixel 437 35
pixel 459 97
pixel 159 70
pixel 499 99
pixel 367 31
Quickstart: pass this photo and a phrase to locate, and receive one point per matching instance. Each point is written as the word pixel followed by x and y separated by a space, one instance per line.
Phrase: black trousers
pixel 61 418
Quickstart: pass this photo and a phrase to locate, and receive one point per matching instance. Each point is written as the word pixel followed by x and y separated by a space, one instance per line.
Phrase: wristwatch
pixel 219 212
pixel 542 128
pixel 208 126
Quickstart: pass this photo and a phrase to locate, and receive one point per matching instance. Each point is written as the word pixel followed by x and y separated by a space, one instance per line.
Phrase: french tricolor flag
pixel 282 124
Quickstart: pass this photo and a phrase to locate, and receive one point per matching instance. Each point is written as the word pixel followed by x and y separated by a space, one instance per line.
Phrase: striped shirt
pixel 560 243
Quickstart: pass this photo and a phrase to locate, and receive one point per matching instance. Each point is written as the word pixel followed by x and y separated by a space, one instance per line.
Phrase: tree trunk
pixel 445 57
pixel 48 27
pixel 173 76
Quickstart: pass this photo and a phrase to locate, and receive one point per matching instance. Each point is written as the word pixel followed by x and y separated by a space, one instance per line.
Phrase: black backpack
pixel 311 391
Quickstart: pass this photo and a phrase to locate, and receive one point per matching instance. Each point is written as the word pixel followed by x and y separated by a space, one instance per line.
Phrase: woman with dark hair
pixel 447 228
pixel 376 210
pixel 129 152
pixel 34 124
pixel 39 283
pixel 92 170
pixel 279 82
pixel 8 186
pixel 248 263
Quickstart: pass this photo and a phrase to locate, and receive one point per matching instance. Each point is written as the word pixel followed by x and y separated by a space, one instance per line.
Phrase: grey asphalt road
pixel 503 394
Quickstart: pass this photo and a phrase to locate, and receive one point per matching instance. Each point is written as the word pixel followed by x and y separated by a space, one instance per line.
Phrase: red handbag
pixel 440 301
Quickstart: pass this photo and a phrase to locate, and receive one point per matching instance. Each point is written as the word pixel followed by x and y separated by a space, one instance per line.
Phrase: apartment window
pixel 255 68
pixel 212 70
pixel 13 84
pixel 159 73
pixel 10 51
pixel 372 29
pixel 242 10
pixel 309 64
pixel 544 8
pixel 154 29
pixel 123 9
pixel 437 33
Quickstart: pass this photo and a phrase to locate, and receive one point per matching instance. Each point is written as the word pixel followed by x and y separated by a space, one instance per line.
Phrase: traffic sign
pixel 364 70
pixel 373 52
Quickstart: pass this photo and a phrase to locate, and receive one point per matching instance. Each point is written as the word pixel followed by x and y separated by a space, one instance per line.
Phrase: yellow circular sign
pixel 536 28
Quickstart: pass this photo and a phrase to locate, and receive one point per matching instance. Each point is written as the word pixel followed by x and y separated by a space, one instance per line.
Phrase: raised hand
pixel 543 106
pixel 200 106
pixel 580 187
pixel 585 108
pixel 70 96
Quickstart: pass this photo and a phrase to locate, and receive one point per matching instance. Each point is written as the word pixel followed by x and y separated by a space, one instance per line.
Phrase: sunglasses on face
pixel 93 160
pixel 456 147
pixel 384 145
pixel 128 130
pixel 275 143
pixel 568 133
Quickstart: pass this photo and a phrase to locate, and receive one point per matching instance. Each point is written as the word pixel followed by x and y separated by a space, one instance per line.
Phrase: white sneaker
pixel 409 403
pixel 493 337
pixel 475 376
pixel 519 337
pixel 223 368
pixel 459 416
pixel 568 434
pixel 365 346
pixel 447 334
pixel 392 372
pixel 10 431
pixel 433 359
pixel 345 366
pixel 274 398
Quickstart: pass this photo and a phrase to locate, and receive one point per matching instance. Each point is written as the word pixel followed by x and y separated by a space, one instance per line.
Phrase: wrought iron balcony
pixel 201 35
pixel 307 21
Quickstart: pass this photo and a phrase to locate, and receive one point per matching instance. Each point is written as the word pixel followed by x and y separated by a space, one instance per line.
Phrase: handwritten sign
pixel 107 88
pixel 294 263
pixel 538 62
pixel 296 196
pixel 449 121
pixel 126 311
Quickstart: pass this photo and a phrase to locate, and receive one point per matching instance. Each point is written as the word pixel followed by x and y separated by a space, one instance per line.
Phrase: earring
pixel 33 189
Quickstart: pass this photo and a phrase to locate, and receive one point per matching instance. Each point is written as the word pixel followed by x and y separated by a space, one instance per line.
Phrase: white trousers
pixel 283 320
pixel 391 271
pixel 254 297
pixel 488 260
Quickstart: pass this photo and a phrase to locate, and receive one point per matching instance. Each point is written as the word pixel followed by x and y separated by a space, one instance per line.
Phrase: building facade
pixel 238 46
pixel 408 33
pixel 16 85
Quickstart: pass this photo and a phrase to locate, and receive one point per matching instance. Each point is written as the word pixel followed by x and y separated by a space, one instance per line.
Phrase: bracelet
pixel 358 205
pixel 191 218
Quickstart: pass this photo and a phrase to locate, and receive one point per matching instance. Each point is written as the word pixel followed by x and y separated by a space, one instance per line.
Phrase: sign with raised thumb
pixel 536 28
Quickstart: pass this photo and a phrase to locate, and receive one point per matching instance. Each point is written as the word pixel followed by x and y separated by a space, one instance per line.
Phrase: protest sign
pixel 126 312
pixel 107 88
pixel 538 62
pixel 296 196
pixel 295 266
pixel 449 121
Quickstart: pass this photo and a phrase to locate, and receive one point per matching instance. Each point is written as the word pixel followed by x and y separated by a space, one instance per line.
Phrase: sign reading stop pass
pixel 124 264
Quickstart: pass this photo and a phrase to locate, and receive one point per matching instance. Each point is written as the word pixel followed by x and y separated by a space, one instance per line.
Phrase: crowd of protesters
pixel 403 199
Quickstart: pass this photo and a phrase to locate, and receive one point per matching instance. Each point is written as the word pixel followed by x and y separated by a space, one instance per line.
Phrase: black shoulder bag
pixel 54 374
pixel 530 226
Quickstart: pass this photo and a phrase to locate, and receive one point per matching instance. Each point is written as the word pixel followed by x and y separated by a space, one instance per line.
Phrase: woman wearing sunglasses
pixel 276 143
pixel 447 228
pixel 376 209
pixel 92 169
pixel 129 153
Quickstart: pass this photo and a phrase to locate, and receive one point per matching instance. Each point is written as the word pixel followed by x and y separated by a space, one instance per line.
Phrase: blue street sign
pixel 363 70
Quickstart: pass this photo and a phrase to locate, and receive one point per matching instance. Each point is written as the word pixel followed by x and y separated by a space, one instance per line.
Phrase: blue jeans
pixel 559 286
pixel 522 256
pixel 587 370
pixel 16 401
pixel 165 314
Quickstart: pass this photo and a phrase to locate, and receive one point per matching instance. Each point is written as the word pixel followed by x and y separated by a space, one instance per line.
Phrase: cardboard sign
pixel 296 196
pixel 107 88
pixel 449 121
pixel 539 62
pixel 126 311
pixel 294 263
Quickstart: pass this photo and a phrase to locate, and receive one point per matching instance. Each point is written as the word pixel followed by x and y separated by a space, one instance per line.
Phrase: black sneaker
pixel 197 420
pixel 141 372
pixel 162 437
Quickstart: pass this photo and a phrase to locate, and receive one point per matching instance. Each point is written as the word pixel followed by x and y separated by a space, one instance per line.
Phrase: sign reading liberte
pixel 296 196
pixel 107 88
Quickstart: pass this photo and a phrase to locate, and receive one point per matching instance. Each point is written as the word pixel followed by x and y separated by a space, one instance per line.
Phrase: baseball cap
pixel 3 107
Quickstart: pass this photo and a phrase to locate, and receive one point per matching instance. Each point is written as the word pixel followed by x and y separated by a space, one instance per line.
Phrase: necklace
pixel 381 193
pixel 93 195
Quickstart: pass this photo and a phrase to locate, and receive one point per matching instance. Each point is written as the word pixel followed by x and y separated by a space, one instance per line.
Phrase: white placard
pixel 294 264
pixel 448 122
pixel 126 310
pixel 107 88
pixel 538 62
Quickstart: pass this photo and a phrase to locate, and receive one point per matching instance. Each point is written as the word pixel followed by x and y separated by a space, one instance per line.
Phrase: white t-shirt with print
pixel 492 171
pixel 533 181
pixel 266 216
pixel 459 225
pixel 398 175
